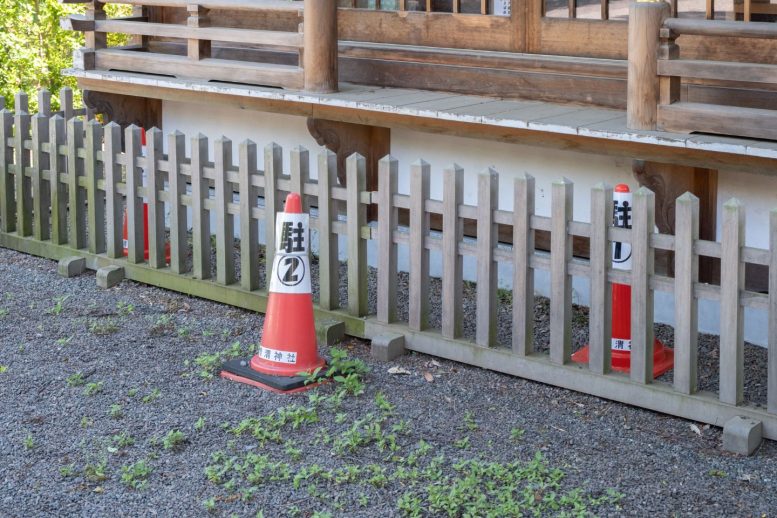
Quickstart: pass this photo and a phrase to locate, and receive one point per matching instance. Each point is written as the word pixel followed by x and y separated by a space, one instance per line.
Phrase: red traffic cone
pixel 288 349
pixel 663 357
pixel 145 236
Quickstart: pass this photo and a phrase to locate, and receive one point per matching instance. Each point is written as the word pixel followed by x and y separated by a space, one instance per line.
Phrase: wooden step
pixel 685 117
pixel 265 74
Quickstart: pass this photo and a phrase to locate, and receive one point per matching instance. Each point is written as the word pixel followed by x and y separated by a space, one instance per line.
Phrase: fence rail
pixel 64 187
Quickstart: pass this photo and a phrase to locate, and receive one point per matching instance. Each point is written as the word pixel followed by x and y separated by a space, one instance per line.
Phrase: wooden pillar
pixel 645 20
pixel 320 42
pixel 198 17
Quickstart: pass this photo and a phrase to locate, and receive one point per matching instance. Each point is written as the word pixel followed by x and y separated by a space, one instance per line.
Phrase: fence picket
pixel 225 222
pixel 523 273
pixel 772 343
pixel 300 173
pixel 95 195
pixel 560 280
pixel 201 245
pixel 44 102
pixel 686 275
pixel 452 262
pixel 59 196
pixel 133 181
pixel 114 203
pixel 7 186
pixel 41 188
pixel 176 156
pixel 22 162
pixel 21 103
pixel 486 301
pixel 155 182
pixel 328 247
pixel 66 103
pixel 249 226
pixel 76 193
pixel 418 289
pixel 642 267
pixel 356 177
pixel 273 168
pixel 600 314
pixel 732 282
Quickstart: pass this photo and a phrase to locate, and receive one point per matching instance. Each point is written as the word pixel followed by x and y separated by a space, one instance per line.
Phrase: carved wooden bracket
pixel 125 109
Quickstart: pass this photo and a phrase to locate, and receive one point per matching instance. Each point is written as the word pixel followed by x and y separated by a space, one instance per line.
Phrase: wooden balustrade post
pixel 198 17
pixel 645 20
pixel 320 42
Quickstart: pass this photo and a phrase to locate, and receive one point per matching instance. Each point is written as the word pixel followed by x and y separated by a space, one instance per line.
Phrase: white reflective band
pixel 277 356
pixel 621 344
pixel 125 243
pixel 291 266
pixel 621 252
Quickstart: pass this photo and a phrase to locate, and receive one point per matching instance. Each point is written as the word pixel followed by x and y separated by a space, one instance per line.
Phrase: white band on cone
pixel 291 266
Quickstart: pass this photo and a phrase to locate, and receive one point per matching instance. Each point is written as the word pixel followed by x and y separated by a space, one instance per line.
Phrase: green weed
pixel 75 380
pixel 151 396
pixel 59 305
pixel 136 475
pixel 94 388
pixel 116 411
pixel 174 439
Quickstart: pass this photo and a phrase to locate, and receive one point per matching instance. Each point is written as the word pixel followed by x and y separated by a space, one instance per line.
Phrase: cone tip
pixel 293 203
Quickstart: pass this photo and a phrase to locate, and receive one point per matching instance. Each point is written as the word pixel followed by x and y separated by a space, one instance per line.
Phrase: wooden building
pixel 675 96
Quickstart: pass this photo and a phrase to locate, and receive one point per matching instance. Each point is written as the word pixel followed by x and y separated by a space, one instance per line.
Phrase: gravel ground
pixel 59 454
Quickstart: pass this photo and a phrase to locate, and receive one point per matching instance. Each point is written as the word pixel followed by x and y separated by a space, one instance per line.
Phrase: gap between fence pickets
pixel 76 159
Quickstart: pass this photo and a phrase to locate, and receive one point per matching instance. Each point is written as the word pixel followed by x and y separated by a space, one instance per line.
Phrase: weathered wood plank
pixel 452 261
pixel 600 314
pixel 133 176
pixel 225 222
pixel 66 103
pixel 356 178
pixel 273 169
pixel 201 245
pixel 249 226
pixel 155 182
pixel 76 194
pixel 772 369
pixel 42 189
pixel 560 280
pixel 685 117
pixel 299 173
pixel 686 275
pixel 486 300
pixel 114 202
pixel 176 156
pixel 523 273
pixel 388 179
pixel 57 166
pixel 44 102
pixel 732 281
pixel 95 196
pixel 642 268
pixel 22 162
pixel 328 246
pixel 418 289
pixel 719 70
pixel 7 196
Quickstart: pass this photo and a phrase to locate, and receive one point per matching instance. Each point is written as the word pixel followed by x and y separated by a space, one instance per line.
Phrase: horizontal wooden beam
pixel 267 74
pixel 232 5
pixel 167 30
pixel 687 117
pixel 719 70
pixel 76 22
pixel 680 26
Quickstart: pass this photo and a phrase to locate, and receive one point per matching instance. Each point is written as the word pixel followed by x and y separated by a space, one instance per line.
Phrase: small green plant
pixel 151 396
pixel 463 443
pixel 103 327
pixel 76 380
pixel 132 392
pixel 94 388
pixel 29 442
pixel 67 471
pixel 717 473
pixel 122 440
pixel 162 325
pixel 3 369
pixel 124 308
pixel 136 475
pixel 64 341
pixel 96 472
pixel 59 305
pixel 200 424
pixel 86 422
pixel 116 411
pixel 174 439
pixel 183 332
pixel 3 312
pixel 210 505
pixel 469 421
pixel 516 434
pixel 383 404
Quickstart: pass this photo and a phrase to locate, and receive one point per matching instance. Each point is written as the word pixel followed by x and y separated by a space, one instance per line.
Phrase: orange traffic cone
pixel 288 350
pixel 663 357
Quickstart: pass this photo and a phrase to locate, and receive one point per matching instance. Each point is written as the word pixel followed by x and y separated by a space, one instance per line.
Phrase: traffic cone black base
pixel 241 372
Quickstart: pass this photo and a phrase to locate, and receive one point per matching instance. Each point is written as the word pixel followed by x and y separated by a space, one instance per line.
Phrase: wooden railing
pixel 315 70
pixel 64 186
pixel 656 73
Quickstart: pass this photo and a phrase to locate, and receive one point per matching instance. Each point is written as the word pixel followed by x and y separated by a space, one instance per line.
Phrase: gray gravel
pixel 660 465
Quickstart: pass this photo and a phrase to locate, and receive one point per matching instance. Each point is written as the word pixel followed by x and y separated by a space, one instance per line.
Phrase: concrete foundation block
pixel 387 347
pixel 329 332
pixel 742 435
pixel 109 276
pixel 71 266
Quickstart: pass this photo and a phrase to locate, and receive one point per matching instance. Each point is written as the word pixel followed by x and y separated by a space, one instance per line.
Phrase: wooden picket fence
pixel 64 187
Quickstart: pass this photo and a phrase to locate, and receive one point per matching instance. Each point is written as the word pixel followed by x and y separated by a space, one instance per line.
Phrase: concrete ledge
pixel 387 347
pixel 742 435
pixel 329 332
pixel 71 266
pixel 109 276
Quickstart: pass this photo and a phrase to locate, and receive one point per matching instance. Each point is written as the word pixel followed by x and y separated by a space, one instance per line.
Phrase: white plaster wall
pixel 759 193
